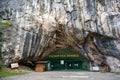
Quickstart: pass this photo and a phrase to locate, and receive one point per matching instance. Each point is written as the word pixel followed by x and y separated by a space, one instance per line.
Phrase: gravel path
pixel 67 75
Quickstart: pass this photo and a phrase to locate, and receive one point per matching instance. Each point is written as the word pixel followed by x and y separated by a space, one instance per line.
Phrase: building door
pixel 55 65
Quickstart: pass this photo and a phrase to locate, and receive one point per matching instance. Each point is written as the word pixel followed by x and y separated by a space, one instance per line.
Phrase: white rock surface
pixel 91 27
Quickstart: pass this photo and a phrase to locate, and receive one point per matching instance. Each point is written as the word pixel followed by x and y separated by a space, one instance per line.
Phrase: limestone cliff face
pixel 90 27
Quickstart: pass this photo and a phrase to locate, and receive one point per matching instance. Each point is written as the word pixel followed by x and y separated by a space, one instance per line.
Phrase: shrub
pixel 5 23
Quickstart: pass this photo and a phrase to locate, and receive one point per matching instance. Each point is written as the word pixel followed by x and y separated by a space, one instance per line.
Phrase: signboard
pixel 14 65
pixel 95 68
pixel 64 56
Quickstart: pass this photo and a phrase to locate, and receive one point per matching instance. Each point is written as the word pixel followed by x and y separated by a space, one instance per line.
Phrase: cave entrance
pixel 66 60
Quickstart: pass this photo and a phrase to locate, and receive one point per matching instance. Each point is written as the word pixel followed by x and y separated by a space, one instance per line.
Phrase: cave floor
pixel 65 75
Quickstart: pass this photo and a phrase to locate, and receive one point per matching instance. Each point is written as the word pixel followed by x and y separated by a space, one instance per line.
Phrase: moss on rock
pixel 5 23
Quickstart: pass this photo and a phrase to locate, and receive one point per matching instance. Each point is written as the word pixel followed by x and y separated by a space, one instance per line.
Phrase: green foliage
pixel 6 73
pixel 0 35
pixel 5 23
pixel 0 58
pixel 1 40
pixel 104 38
pixel 1 32
pixel 0 52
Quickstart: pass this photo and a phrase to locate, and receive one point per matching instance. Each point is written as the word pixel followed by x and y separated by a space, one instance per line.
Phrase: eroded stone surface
pixel 90 27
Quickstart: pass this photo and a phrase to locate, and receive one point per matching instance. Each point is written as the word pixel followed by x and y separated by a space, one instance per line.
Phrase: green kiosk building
pixel 66 59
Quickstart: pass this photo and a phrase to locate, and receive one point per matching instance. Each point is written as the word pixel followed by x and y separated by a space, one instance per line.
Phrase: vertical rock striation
pixel 90 27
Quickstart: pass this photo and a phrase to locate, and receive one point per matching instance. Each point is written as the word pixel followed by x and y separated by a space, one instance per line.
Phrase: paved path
pixel 67 75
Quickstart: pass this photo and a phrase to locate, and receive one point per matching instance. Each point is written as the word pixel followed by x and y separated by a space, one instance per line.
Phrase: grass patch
pixel 5 73
pixel 5 23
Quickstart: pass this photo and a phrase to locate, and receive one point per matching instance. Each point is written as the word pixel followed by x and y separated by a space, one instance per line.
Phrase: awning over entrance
pixel 66 60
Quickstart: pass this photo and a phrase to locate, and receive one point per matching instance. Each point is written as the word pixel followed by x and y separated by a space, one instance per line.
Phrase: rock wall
pixel 115 64
pixel 90 27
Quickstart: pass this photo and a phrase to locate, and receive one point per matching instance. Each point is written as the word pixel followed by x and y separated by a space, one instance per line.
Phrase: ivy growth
pixel 104 38
pixel 5 23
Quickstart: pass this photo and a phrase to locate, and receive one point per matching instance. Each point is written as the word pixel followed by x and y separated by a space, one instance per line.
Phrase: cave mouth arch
pixel 66 59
